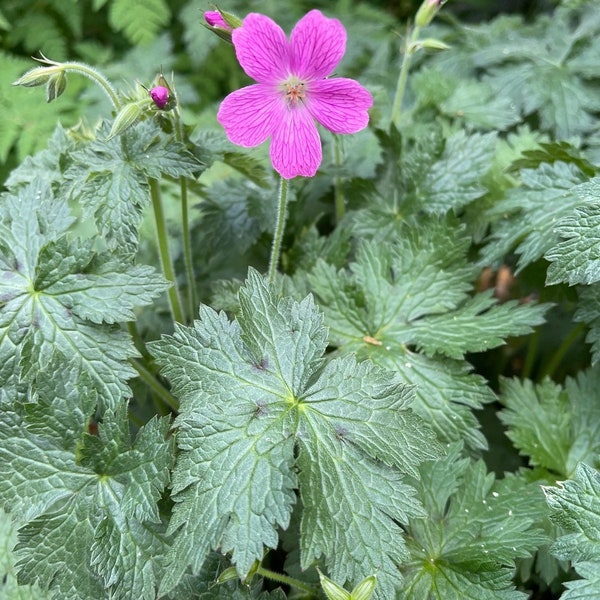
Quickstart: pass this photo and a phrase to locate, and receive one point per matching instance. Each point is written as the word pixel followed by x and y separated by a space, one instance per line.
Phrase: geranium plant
pixel 333 336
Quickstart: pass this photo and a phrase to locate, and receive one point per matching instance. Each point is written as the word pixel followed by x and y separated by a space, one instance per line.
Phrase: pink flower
pixel 215 19
pixel 160 96
pixel 293 91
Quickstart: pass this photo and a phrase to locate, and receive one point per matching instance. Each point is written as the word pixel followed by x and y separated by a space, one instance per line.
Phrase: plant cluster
pixel 359 361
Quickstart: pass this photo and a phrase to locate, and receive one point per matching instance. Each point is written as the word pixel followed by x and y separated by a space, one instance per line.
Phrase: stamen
pixel 295 91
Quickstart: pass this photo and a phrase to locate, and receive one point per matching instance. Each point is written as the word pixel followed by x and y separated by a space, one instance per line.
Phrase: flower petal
pixel 340 105
pixel 317 46
pixel 251 114
pixel 296 145
pixel 262 49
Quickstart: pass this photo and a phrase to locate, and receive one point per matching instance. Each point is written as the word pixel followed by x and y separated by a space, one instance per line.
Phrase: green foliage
pixel 546 195
pixel 234 479
pixel 139 20
pixel 575 506
pixel 476 528
pixel 408 307
pixel 61 296
pixel 327 430
pixel 556 426
pixel 110 179
pixel 574 258
pixel 88 503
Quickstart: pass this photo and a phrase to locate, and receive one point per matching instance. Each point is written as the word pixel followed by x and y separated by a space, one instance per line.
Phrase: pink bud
pixel 215 19
pixel 160 95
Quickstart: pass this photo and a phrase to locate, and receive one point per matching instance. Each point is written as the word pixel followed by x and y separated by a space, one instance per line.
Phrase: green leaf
pixel 587 588
pixel 255 401
pixel 453 180
pixel 475 530
pixel 109 179
pixel 574 259
pixel 525 220
pixel 539 68
pixel 588 311
pixel 62 297
pixel 556 427
pixel 575 507
pixel 89 531
pixel 9 587
pixel 412 294
pixel 551 152
pixel 140 20
pixel 479 105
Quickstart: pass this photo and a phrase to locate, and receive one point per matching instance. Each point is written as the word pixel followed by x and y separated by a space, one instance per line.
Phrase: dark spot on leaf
pixel 261 365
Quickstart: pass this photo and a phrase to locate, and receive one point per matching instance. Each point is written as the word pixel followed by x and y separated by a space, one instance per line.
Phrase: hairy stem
pixel 96 77
pixel 279 229
pixel 185 226
pixel 551 366
pixel 339 194
pixel 286 580
pixel 403 77
pixel 163 249
pixel 157 388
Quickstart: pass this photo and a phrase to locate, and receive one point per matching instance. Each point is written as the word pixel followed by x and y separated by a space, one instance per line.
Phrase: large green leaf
pixel 256 399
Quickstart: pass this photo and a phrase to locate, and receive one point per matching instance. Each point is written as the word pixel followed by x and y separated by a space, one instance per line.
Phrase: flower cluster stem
pixel 279 229
pixel 403 77
pixel 97 77
pixel 163 249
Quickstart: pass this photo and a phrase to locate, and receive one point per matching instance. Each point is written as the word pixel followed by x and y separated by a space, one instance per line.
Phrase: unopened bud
pixel 428 44
pixel 56 86
pixel 332 590
pixel 126 117
pixel 222 23
pixel 160 96
pixel 364 590
pixel 427 12
pixel 38 76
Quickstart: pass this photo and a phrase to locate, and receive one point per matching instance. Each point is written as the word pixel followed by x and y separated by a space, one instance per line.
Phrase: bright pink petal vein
pixel 251 114
pixel 317 45
pixel 340 105
pixel 296 145
pixel 262 49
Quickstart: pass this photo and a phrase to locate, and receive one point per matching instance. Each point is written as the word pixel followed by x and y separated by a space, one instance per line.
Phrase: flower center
pixel 294 90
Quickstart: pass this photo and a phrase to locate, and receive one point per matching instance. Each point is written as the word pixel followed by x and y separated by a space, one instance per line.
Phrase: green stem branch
pixel 286 580
pixel 560 352
pixel 97 77
pixel 161 392
pixel 163 249
pixel 279 229
pixel 185 226
pixel 403 77
pixel 339 194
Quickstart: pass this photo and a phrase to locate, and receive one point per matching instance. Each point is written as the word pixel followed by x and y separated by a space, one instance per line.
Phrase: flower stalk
pixel 279 229
pixel 164 252
pixel 409 49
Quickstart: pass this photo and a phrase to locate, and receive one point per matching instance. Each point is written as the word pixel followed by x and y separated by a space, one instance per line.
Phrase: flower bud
pixel 126 117
pixel 222 23
pixel 427 12
pixel 56 86
pixel 332 590
pixel 214 19
pixel 160 96
pixel 38 76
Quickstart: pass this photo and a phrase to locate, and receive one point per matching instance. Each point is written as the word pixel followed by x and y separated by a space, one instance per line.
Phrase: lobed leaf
pixel 254 393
